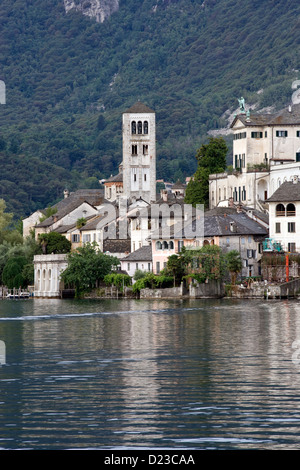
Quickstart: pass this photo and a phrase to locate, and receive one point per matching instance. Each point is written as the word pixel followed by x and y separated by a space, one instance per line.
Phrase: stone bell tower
pixel 139 153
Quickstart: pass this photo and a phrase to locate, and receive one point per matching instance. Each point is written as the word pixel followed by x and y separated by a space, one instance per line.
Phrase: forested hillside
pixel 68 80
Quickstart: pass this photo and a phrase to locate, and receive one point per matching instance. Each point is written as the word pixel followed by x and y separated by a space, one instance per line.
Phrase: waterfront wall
pixel 211 289
pixel 266 291
pixel 166 293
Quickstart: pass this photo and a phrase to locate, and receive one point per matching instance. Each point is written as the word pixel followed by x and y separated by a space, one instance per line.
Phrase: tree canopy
pixel 54 242
pixel 86 267
pixel 211 159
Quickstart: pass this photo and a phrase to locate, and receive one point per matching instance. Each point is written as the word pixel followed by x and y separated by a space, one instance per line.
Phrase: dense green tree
pixel 234 264
pixel 87 266
pixel 54 242
pixel 12 275
pixel 211 159
pixel 177 266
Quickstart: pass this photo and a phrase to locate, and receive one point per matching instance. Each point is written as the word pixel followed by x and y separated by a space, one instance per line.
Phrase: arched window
pixel 133 127
pixel 140 127
pixel 290 209
pixel 145 127
pixel 280 210
pixel 158 245
pixel 165 245
pixel 171 245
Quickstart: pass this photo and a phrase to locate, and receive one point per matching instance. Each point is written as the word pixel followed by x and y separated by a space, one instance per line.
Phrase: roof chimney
pixel 295 179
pixel 233 227
pixel 66 193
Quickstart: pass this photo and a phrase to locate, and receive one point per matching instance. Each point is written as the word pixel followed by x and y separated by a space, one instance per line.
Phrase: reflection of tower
pixel 139 153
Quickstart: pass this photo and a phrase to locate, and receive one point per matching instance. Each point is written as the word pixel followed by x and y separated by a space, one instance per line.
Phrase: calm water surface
pixel 130 374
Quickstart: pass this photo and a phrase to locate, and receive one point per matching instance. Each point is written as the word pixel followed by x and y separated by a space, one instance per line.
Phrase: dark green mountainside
pixel 68 80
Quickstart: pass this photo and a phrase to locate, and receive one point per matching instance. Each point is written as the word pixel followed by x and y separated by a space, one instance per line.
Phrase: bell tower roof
pixel 139 107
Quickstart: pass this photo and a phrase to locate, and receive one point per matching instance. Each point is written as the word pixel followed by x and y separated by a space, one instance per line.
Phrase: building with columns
pixel 47 271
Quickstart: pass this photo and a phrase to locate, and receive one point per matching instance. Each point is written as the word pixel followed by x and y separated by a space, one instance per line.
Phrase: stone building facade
pixel 139 153
pixel 264 145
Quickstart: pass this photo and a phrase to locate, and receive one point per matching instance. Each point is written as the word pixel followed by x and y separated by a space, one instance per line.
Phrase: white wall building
pixel 284 215
pixel 266 149
pixel 47 271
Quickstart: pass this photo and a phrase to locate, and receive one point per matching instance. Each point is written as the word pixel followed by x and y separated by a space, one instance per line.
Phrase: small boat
pixel 19 295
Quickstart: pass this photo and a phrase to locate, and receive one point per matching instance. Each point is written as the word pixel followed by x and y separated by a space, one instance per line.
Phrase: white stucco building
pixel 266 150
pixel 47 271
pixel 284 215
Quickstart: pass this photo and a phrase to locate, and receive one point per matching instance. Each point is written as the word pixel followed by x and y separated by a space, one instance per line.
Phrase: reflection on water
pixel 195 374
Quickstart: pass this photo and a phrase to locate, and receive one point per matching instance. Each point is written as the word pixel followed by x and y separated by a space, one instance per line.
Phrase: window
pixel 280 210
pixel 249 253
pixel 149 266
pixel 171 245
pixel 290 210
pixel 292 247
pixel 128 266
pixel 240 135
pixel 134 177
pixel 256 135
pixel 158 245
pixel 281 133
pixel 133 127
pixel 298 133
pixel 298 157
pixel 157 266
pixel 145 127
pixel 145 149
pixel 145 177
pixel 291 227
pixel 244 194
pixel 136 265
pixel 75 238
pixel 277 227
pixel 86 238
pixel 140 127
pixel 180 245
pixel 134 149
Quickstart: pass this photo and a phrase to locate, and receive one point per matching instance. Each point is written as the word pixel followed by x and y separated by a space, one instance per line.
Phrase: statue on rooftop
pixel 242 104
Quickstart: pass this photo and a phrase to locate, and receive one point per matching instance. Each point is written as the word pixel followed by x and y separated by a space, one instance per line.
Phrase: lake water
pixel 138 374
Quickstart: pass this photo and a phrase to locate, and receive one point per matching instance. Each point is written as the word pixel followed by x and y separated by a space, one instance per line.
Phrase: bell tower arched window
pixel 145 127
pixel 140 127
pixel 133 127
